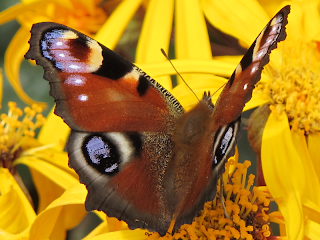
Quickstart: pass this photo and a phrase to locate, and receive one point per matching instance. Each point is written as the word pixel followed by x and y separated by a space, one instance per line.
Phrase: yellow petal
pixel 256 101
pixel 188 66
pixel 136 234
pixel 156 31
pixel 295 28
pixel 214 84
pixel 284 173
pixel 110 33
pixel 49 180
pixel 55 158
pixel 70 216
pixel 115 225
pixel 191 34
pixel 304 21
pixel 311 196
pixel 110 225
pixel 16 212
pixel 199 86
pixel 312 20
pixel 13 57
pixel 271 7
pixel 155 34
pixel 229 59
pixel 50 135
pixel 312 229
pixel 312 213
pixel 192 40
pixel 101 215
pixel 241 19
pixel 70 202
pixel 100 229
pixel 12 12
pixel 314 150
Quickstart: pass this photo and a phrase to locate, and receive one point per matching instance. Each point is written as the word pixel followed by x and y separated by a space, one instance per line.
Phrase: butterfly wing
pixel 238 89
pixel 121 120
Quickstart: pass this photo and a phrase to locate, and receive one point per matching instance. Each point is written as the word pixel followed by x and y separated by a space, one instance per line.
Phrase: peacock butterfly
pixel 143 159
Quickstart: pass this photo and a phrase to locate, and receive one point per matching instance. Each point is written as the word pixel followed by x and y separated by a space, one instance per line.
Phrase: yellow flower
pixel 50 175
pixel 290 86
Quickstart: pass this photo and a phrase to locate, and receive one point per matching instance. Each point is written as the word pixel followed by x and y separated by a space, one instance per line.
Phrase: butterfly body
pixel 143 159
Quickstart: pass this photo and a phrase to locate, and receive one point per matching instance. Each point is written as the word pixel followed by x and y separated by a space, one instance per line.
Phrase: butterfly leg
pixel 172 223
pixel 222 199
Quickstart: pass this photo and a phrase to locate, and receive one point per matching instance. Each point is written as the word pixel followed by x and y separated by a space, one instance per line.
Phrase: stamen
pixel 15 133
pixel 248 210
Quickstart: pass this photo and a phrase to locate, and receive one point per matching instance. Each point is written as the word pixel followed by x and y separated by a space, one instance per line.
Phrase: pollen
pixel 246 206
pixel 16 128
pixel 295 85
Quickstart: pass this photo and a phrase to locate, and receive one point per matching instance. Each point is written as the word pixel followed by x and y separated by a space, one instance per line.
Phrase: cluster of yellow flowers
pixel 247 211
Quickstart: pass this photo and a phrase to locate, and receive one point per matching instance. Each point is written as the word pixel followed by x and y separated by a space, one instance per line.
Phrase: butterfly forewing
pixel 238 89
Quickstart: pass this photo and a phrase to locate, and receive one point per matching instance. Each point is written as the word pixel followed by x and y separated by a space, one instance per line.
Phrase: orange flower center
pixel 247 210
pixel 15 132
pixel 295 84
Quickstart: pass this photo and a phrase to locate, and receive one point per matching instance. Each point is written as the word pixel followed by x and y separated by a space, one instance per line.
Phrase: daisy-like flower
pixel 50 174
pixel 285 132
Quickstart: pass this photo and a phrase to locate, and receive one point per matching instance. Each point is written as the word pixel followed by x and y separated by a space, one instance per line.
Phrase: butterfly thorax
pixel 192 150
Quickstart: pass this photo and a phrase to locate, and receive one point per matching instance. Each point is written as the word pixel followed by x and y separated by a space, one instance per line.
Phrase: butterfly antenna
pixel 166 56
pixel 219 88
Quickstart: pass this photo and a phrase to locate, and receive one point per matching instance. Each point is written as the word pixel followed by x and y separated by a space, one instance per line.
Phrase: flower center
pixel 247 207
pixel 295 85
pixel 15 133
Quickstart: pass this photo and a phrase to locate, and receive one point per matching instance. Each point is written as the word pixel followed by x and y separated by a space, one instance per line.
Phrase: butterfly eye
pixel 102 154
pixel 106 153
pixel 225 142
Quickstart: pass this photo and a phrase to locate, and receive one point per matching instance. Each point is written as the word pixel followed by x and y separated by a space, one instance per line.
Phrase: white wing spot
pixel 134 74
pixel 75 80
pixel 73 66
pixel 83 97
pixel 95 57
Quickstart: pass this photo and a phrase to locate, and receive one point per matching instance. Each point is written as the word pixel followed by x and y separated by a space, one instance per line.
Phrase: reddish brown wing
pixel 121 121
pixel 239 88
pixel 95 89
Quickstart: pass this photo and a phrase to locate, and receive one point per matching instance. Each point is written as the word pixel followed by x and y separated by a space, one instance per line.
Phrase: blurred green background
pixel 31 77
